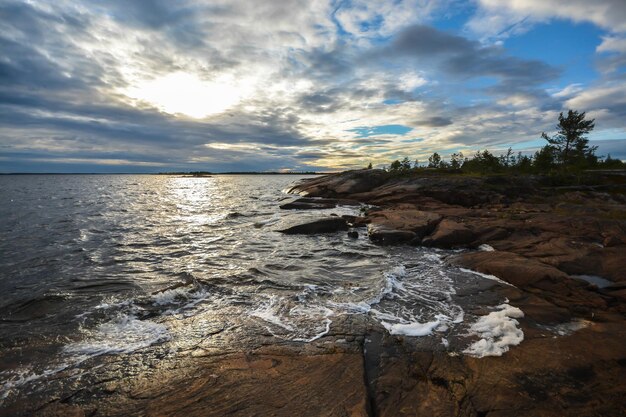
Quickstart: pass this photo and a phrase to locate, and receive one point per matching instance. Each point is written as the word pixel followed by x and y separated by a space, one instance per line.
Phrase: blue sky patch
pixel 367 131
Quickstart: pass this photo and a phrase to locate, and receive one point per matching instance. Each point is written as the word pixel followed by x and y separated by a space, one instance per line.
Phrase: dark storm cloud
pixel 435 121
pixel 324 62
pixel 420 40
pixel 464 58
pixel 130 125
pixel 177 19
pixel 328 101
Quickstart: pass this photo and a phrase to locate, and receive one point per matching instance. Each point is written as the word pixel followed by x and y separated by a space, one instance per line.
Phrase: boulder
pixel 385 235
pixel 421 223
pixel 326 225
pixel 449 234
pixel 345 183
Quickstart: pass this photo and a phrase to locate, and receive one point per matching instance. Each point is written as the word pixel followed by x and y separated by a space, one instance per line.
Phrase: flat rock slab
pixel 537 277
pixel 326 225
pixel 419 222
pixel 305 203
pixel 243 384
pixel 334 185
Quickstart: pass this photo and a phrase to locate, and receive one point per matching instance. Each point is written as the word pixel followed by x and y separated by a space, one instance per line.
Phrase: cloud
pixel 502 18
pixel 465 58
pixel 86 82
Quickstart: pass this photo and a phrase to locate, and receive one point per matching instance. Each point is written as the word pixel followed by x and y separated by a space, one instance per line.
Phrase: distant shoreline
pixel 189 174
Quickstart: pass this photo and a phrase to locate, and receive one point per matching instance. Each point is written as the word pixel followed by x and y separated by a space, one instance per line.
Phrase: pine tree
pixel 569 143
pixel 434 161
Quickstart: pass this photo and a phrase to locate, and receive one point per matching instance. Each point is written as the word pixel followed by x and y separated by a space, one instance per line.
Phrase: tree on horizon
pixel 569 144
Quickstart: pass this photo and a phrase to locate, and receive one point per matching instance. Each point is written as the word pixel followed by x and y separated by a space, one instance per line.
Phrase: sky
pixel 313 85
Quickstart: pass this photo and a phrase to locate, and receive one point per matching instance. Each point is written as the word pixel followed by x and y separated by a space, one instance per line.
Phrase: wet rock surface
pixel 537 238
pixel 572 361
pixel 317 203
pixel 326 225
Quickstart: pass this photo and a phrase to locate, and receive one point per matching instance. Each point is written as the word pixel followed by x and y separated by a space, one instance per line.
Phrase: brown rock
pixel 516 269
pixel 327 225
pixel 449 234
pixel 536 277
pixel 384 235
pixel 419 222
pixel 345 183
pixel 282 384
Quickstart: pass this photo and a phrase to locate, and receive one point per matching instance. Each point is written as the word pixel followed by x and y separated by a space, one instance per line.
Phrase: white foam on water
pixel 319 312
pixel 392 280
pixel 170 296
pixel 486 248
pixel 434 257
pixel 487 276
pixel 498 330
pixel 411 329
pixel 175 296
pixel 12 381
pixel 300 321
pixel 124 334
pixel 268 313
pixel 414 303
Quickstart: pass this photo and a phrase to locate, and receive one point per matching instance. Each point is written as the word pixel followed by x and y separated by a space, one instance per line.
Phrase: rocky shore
pixel 563 249
pixel 560 254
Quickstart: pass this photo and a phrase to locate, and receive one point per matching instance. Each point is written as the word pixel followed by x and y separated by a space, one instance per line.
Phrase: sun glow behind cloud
pixel 187 94
pixel 234 84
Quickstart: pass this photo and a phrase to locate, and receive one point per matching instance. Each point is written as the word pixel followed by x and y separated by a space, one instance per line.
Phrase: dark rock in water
pixel 449 234
pixel 327 225
pixel 317 203
pixel 353 234
pixel 384 235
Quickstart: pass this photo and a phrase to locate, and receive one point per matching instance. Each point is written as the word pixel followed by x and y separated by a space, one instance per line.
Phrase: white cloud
pixel 568 91
pixel 602 97
pixel 364 18
pixel 612 44
pixel 502 18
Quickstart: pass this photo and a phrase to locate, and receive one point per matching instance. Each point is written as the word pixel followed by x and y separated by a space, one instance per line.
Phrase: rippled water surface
pixel 93 266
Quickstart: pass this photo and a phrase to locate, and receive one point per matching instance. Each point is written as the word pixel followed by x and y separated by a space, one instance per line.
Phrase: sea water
pixel 101 269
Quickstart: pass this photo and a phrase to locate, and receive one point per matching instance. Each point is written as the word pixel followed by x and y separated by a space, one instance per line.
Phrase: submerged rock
pixel 327 225
pixel 353 234
pixel 317 203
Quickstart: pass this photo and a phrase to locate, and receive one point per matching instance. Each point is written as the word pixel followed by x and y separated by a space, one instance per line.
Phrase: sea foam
pixel 498 330
pixel 124 334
